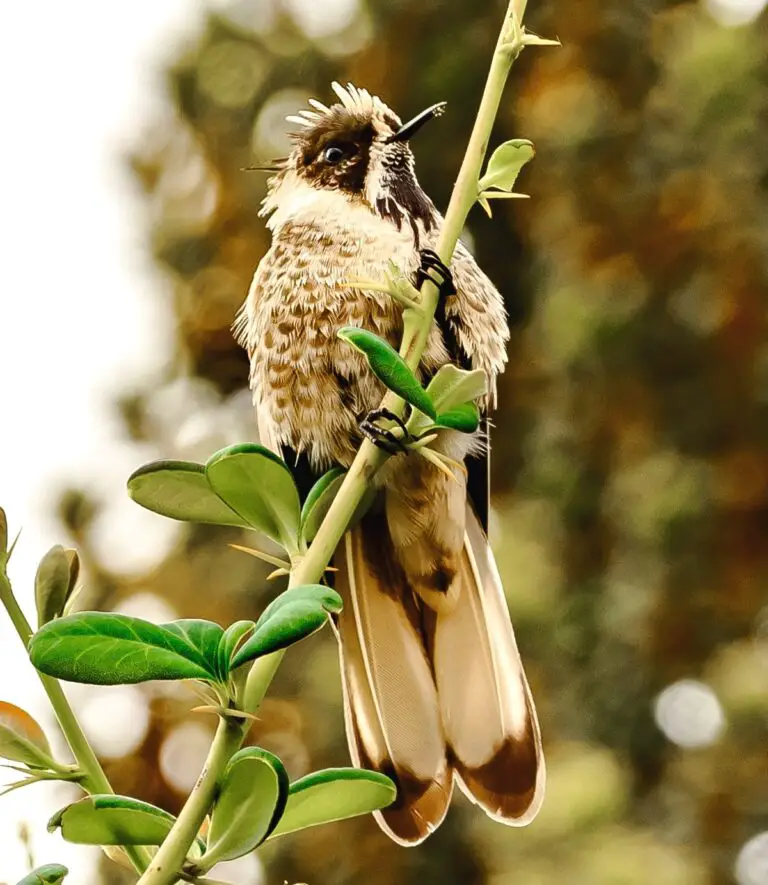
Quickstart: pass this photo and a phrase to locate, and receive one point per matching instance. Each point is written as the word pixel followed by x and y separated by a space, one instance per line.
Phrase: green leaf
pixel 251 800
pixel 180 490
pixel 103 648
pixel 389 367
pixel 22 739
pixel 505 164
pixel 258 486
pixel 230 642
pixel 112 820
pixel 54 582
pixel 334 794
pixel 294 615
pixel 319 500
pixel 465 418
pixel 202 640
pixel 452 386
pixel 48 874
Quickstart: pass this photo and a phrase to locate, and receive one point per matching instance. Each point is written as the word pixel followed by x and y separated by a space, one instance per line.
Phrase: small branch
pixel 94 781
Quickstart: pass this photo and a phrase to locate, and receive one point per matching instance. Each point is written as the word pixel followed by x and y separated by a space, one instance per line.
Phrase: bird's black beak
pixel 407 130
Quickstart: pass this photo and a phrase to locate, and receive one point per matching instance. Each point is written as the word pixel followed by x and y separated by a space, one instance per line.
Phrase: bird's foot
pixel 432 268
pixel 383 437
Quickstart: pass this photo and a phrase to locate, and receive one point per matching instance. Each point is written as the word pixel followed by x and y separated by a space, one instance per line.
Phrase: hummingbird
pixel 434 689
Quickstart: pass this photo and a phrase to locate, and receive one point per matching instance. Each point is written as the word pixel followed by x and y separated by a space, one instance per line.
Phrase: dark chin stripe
pixel 402 198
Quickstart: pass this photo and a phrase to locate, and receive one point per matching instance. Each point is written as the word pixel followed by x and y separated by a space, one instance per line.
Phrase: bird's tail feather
pixel 392 714
pixel 429 695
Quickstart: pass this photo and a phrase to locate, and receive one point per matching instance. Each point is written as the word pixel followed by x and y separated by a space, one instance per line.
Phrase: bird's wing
pixel 473 323
pixel 477 318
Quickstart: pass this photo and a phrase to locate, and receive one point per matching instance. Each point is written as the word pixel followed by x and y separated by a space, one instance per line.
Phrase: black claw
pixel 431 263
pixel 380 436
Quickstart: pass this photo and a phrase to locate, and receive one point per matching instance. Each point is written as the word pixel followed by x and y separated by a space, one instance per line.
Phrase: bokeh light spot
pixel 183 754
pixel 733 13
pixel 231 71
pixel 115 718
pixel 689 714
pixel 318 20
pixel 254 16
pixel 148 606
pixel 246 870
pixel 270 134
pixel 131 541
pixel 752 862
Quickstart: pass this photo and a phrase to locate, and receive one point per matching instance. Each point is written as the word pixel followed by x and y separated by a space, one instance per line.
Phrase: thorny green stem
pixel 94 781
pixel 165 866
pixel 369 459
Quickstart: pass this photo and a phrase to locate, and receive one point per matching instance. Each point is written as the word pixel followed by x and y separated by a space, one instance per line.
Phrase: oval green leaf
pixel 505 164
pixel 319 501
pixel 294 615
pixel 112 820
pixel 258 486
pixel 102 648
pixel 465 418
pixel 389 367
pixel 48 874
pixel 334 794
pixel 251 800
pixel 54 582
pixel 180 490
pixel 22 739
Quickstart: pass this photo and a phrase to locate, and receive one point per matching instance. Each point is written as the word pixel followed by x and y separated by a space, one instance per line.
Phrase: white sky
pixel 77 80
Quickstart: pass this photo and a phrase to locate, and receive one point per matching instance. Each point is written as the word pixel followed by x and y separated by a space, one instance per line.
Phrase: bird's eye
pixel 333 154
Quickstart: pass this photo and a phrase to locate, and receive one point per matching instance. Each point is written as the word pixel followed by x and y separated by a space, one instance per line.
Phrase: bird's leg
pixel 381 436
pixel 431 263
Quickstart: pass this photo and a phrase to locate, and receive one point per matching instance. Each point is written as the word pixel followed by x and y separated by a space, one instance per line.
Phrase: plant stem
pixel 165 867
pixel 369 458
pixel 95 781
pixel 257 682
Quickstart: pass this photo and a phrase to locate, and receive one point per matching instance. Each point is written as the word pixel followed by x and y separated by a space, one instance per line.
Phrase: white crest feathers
pixel 357 101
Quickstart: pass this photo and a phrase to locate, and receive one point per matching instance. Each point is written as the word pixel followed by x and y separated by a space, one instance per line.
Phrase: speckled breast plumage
pixel 311 388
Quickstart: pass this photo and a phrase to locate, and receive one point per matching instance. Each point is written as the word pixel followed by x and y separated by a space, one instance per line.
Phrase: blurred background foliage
pixel 631 443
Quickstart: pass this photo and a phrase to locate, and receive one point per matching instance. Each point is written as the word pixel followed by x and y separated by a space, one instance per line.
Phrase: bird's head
pixel 357 148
